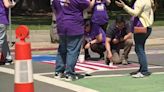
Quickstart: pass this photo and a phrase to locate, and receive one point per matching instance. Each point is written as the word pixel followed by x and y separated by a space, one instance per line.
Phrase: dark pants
pixel 96 47
pixel 140 40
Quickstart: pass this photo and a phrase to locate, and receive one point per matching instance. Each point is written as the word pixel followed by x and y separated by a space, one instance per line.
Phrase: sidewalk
pixel 40 39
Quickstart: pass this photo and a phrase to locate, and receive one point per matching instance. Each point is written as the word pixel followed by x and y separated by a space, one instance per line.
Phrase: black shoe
pixel 87 57
pixel 146 73
pixel 101 56
pixel 133 73
pixel 107 61
pixel 8 62
pixel 71 78
pixel 59 75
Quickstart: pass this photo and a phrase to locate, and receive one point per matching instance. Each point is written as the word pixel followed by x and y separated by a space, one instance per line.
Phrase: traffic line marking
pixel 92 66
pixel 52 81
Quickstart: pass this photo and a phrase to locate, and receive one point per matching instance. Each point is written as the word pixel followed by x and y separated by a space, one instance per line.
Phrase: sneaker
pixel 124 62
pixel 101 56
pixel 138 75
pixel 133 73
pixel 111 65
pixel 107 61
pixel 59 75
pixel 9 62
pixel 71 78
pixel 146 73
pixel 87 57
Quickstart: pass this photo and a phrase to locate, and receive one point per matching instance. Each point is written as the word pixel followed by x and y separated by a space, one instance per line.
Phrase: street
pixel 43 67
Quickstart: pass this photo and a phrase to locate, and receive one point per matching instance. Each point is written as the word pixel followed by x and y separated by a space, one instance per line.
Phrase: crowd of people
pixel 75 32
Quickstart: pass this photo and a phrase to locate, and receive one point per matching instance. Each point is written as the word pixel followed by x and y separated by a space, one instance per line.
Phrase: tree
pixel 32 6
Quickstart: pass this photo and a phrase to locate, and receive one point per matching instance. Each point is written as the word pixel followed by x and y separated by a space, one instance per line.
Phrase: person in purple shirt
pixel 100 15
pixel 70 27
pixel 95 40
pixel 4 22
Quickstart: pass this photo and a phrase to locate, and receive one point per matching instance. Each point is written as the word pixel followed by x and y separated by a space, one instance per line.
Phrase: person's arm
pixel 87 46
pixel 128 36
pixel 8 3
pixel 128 31
pixel 98 39
pixel 134 12
pixel 108 2
pixel 108 48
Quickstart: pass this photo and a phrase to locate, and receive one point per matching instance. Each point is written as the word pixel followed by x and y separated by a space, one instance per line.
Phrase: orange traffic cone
pixel 23 64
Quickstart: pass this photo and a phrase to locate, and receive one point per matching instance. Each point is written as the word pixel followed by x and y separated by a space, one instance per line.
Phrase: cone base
pixel 24 87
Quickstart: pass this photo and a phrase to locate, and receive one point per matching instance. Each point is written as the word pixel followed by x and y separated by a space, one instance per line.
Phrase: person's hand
pixel 120 3
pixel 108 2
pixel 115 41
pixel 13 3
pixel 109 55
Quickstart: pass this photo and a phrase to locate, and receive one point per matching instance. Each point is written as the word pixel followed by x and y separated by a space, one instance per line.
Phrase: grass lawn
pixel 154 83
pixel 33 22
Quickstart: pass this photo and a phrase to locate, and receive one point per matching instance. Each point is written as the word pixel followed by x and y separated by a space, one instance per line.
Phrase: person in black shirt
pixel 118 36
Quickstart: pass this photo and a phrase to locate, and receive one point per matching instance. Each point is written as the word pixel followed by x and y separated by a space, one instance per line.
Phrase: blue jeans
pixel 4 47
pixel 68 52
pixel 140 40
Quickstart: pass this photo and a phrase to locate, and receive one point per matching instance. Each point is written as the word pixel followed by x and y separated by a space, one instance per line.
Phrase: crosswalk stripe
pixel 92 66
pixel 83 68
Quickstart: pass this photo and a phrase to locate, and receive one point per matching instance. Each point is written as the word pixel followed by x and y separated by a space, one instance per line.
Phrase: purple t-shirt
pixel 100 15
pixel 3 14
pixel 69 17
pixel 135 22
pixel 96 30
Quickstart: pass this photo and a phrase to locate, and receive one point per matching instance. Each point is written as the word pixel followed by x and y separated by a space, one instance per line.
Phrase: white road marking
pixel 68 85
pixel 63 84
pixel 92 66
pixel 89 72
pixel 52 81
pixel 117 75
pixel 83 68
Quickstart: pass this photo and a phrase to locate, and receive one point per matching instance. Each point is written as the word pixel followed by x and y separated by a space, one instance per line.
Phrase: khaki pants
pixel 126 45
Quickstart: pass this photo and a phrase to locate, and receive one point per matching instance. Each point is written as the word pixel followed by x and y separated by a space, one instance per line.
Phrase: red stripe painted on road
pixel 104 66
pixel 86 65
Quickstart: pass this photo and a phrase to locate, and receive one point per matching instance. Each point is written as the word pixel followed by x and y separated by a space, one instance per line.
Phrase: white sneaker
pixel 138 75
pixel 59 75
pixel 71 78
pixel 111 65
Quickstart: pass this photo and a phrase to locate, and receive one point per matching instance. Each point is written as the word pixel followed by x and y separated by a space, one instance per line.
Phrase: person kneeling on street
pixel 94 39
pixel 118 36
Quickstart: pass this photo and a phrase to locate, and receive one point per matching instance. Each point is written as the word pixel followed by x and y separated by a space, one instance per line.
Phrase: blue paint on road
pixel 41 58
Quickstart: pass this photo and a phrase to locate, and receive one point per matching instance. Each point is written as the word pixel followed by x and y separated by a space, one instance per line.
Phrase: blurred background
pixel 37 14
